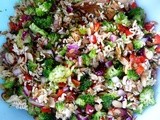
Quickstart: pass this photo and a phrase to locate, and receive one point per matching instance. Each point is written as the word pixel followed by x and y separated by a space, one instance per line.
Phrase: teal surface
pixel 152 8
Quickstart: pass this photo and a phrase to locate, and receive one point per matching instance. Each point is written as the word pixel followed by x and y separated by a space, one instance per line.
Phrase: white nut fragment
pixel 149 54
pixel 51 102
pixel 98 107
pixel 10 59
pixel 30 56
pixel 117 104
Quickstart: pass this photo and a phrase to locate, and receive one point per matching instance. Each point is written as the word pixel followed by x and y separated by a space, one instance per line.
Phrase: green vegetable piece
pixel 109 26
pixel 49 63
pixel 59 106
pixel 131 74
pixel 83 30
pixel 140 109
pixel 92 53
pixel 43 8
pixel 34 28
pixel 30 11
pixel 33 110
pixel 19 39
pixel 19 90
pixel 80 102
pixel 121 18
pixel 147 96
pixel 46 72
pixel 43 22
pixel 85 83
pixel 54 37
pixel 87 98
pixel 31 66
pixel 59 74
pixel 9 83
pixel 107 99
pixel 86 59
pixel 73 117
pixel 112 72
pixel 63 51
pixel 98 115
pixel 137 14
pixel 138 44
pixel 45 116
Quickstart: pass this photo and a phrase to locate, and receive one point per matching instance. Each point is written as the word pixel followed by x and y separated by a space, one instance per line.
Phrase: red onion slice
pixel 89 109
pixel 113 38
pixel 81 117
pixel 33 102
pixel 109 64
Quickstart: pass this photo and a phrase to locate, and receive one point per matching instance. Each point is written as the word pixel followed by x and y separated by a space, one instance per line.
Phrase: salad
pixel 80 59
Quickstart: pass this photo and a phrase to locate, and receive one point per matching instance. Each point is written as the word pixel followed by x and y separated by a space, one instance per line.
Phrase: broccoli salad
pixel 80 59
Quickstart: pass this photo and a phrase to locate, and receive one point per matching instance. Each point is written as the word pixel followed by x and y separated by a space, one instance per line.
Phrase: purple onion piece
pixel 58 58
pixel 113 38
pixel 17 71
pixel 129 118
pixel 26 91
pixel 140 52
pixel 89 109
pixel 24 34
pixel 69 9
pixel 81 117
pixel 99 73
pixel 108 64
pixel 100 70
pixel 74 47
pixel 33 102
pixel 148 37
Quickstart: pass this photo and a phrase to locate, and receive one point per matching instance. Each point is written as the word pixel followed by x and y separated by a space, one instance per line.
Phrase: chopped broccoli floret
pixel 82 30
pixel 43 8
pixel 19 90
pixel 85 99
pixel 59 74
pixel 139 109
pixel 34 28
pixel 147 96
pixel 31 66
pixel 121 18
pixel 98 115
pixel 108 26
pixel 80 102
pixel 63 51
pixel 137 14
pixel 112 71
pixel 49 63
pixel 43 22
pixel 73 117
pixel 54 37
pixel 92 53
pixel 138 44
pixel 131 74
pixel 46 72
pixel 146 99
pixel 85 83
pixel 9 83
pixel 107 99
pixel 30 11
pixel 33 110
pixel 59 106
pixel 86 59
pixel 45 116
